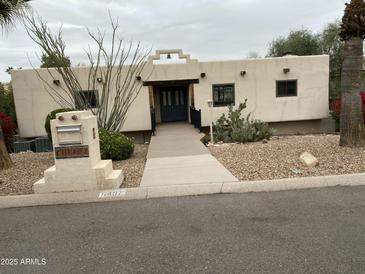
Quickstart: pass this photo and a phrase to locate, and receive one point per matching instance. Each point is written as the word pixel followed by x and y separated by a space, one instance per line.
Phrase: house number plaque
pixel 72 152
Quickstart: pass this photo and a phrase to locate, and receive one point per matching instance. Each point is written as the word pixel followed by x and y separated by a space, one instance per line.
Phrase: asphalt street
pixel 307 231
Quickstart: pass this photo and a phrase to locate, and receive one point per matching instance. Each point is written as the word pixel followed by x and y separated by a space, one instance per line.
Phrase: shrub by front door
pixel 173 102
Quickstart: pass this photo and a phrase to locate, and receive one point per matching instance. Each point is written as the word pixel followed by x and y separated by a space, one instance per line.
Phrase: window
pixel 287 88
pixel 223 95
pixel 90 98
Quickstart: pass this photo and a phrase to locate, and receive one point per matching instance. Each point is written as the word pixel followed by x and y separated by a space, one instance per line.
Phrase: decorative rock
pixel 308 159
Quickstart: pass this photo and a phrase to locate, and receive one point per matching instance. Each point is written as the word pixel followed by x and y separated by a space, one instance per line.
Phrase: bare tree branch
pixel 112 72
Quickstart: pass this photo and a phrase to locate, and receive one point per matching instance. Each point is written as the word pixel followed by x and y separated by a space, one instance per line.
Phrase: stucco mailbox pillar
pixel 78 166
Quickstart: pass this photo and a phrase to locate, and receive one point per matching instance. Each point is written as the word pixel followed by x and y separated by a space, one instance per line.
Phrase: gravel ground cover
pixel 29 167
pixel 279 158
pixel 133 167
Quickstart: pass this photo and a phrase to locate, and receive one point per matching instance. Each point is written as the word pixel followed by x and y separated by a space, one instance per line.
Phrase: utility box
pixel 78 166
pixel 43 144
pixel 23 146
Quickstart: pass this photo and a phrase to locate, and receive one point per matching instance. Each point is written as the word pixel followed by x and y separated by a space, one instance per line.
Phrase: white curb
pixel 181 190
pixel 294 183
pixel 184 190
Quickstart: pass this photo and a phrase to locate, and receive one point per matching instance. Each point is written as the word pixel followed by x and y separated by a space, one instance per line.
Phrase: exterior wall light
pixel 56 82
pixel 286 70
pixel 99 79
pixel 210 103
pixel 243 73
pixel 139 78
pixel 203 75
pixel 61 118
pixel 74 117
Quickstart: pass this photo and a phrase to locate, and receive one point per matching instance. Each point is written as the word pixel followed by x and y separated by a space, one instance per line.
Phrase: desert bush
pixel 115 145
pixel 235 128
pixel 52 116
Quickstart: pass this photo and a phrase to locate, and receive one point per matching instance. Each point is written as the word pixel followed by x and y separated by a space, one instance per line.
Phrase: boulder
pixel 308 159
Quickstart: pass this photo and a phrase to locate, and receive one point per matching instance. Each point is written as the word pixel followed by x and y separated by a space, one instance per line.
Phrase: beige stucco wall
pixel 33 102
pixel 304 127
pixel 258 86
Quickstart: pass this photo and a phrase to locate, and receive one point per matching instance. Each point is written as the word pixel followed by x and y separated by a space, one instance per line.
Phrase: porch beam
pixel 171 82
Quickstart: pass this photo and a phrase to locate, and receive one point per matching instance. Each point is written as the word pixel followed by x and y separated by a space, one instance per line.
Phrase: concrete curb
pixel 181 190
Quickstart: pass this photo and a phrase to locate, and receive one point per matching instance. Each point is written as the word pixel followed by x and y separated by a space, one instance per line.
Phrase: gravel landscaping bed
pixel 279 158
pixel 29 167
pixel 133 167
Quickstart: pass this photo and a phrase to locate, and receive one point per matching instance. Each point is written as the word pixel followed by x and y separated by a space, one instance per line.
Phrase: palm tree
pixel 5 161
pixel 11 10
pixel 353 33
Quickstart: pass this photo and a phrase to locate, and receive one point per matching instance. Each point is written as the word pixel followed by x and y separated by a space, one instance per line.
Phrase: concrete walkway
pixel 177 157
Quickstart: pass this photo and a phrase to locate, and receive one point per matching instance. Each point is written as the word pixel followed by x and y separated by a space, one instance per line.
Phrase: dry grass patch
pixel 279 158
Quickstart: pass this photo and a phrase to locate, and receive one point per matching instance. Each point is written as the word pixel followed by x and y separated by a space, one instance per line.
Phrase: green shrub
pixel 239 129
pixel 52 116
pixel 115 145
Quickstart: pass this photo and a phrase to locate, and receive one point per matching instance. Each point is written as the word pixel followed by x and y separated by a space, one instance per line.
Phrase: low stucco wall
pixel 299 127
pixel 304 127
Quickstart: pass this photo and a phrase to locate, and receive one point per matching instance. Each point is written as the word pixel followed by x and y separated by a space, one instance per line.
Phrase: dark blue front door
pixel 173 102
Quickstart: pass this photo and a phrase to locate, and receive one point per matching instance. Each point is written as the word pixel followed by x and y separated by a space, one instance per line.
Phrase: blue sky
pixel 206 29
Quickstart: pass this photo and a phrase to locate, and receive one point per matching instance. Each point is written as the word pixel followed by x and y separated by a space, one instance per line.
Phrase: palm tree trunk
pixel 5 161
pixel 352 124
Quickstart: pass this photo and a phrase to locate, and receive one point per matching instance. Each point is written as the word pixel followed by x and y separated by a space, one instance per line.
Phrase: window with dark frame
pixel 90 98
pixel 223 95
pixel 287 88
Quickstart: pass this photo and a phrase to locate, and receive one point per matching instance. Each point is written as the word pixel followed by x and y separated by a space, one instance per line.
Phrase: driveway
pixel 311 231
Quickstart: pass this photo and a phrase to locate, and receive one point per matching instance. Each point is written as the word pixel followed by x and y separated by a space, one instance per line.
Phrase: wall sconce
pixel 56 82
pixel 139 78
pixel 286 70
pixel 74 117
pixel 243 73
pixel 168 56
pixel 99 79
pixel 61 118
pixel 203 75
pixel 210 103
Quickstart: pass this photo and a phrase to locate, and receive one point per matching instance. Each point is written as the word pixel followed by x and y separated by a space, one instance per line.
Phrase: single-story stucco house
pixel 289 92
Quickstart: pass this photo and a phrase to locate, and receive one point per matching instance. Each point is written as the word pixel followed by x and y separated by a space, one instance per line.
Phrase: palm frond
pixel 12 10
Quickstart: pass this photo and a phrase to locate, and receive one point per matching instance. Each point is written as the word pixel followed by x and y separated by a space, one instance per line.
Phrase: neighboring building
pixel 291 92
